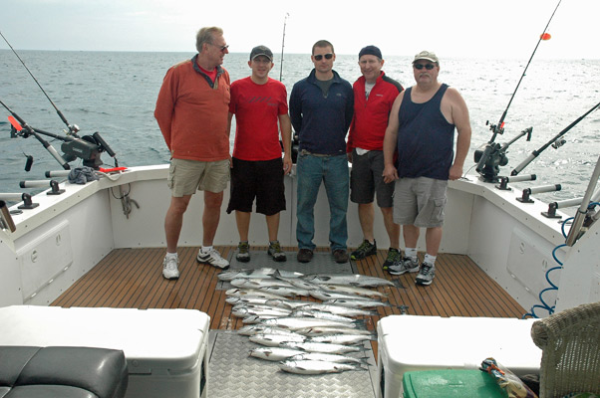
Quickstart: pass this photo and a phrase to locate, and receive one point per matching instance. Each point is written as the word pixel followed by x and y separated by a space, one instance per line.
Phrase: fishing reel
pixel 492 155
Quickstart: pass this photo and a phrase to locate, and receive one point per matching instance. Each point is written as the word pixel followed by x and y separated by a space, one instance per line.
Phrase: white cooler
pixel 166 349
pixel 410 343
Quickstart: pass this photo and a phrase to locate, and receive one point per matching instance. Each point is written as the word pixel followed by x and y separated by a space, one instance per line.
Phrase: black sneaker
pixel 365 249
pixel 426 274
pixel 394 256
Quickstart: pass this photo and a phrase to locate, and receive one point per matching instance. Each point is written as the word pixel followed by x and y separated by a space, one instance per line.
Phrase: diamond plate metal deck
pixel 322 263
pixel 233 373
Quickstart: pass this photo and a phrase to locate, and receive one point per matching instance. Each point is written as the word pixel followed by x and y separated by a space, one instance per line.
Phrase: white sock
pixel 171 255
pixel 206 249
pixel 429 259
pixel 411 253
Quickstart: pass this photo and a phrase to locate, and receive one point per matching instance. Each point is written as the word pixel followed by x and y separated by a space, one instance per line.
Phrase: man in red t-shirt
pixel 259 104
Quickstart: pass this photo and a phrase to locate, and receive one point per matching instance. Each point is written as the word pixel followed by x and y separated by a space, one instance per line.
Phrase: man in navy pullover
pixel 321 110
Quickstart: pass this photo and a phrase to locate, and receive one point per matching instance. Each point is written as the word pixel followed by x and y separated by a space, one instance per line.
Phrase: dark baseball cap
pixel 261 50
pixel 370 50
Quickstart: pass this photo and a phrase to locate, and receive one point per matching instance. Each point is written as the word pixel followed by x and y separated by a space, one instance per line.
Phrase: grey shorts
pixel 420 202
pixel 188 176
pixel 366 179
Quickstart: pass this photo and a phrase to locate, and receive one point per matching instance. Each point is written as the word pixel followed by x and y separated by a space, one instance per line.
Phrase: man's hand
pixel 389 174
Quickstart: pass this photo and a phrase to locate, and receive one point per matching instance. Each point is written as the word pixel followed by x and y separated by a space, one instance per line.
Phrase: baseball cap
pixel 370 50
pixel 427 55
pixel 261 50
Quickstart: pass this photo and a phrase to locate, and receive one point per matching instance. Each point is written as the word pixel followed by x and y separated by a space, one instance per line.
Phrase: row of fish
pixel 305 337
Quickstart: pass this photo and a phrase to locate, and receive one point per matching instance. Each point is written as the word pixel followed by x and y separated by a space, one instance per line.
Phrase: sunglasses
pixel 222 48
pixel 426 66
pixel 320 57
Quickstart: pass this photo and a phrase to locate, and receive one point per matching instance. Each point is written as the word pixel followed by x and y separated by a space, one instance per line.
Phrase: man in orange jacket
pixel 191 111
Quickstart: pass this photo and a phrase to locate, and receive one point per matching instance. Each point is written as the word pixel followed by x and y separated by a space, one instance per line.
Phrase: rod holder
pixel 57 173
pixel 43 183
pixel 504 181
pixel 526 197
pixel 552 207
pixel 15 197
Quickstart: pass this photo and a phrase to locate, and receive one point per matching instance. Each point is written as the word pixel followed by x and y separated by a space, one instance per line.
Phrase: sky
pixel 451 28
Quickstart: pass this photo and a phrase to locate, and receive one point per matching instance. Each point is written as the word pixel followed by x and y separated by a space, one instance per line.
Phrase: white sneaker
pixel 170 270
pixel 213 258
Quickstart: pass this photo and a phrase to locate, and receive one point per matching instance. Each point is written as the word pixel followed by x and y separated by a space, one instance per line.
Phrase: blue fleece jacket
pixel 322 121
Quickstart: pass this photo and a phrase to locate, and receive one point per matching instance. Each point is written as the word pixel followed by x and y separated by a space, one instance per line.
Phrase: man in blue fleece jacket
pixel 321 109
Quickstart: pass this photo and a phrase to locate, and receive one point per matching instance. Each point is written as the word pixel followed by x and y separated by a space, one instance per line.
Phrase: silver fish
pixel 363 303
pixel 316 367
pixel 300 283
pixel 249 330
pixel 355 290
pixel 286 291
pixel 273 353
pixel 342 338
pixel 252 293
pixel 252 319
pixel 321 330
pixel 327 348
pixel 294 323
pixel 339 309
pixel 325 296
pixel 242 311
pixel 308 313
pixel 259 273
pixel 248 300
pixel 319 356
pixel 259 283
pixel 275 340
pixel 354 280
pixel 285 303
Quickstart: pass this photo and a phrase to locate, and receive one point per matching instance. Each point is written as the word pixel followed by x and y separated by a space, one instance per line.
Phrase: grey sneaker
pixel 403 266
pixel 213 257
pixel 364 250
pixel 276 252
pixel 426 274
pixel 243 253
pixel 170 270
pixel 393 256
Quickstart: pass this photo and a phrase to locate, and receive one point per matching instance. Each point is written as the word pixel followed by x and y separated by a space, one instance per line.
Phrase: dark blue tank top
pixel 425 138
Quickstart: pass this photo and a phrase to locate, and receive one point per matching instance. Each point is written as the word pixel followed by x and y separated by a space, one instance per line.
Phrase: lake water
pixel 114 93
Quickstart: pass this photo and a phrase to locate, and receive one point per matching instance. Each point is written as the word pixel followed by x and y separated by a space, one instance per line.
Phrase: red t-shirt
pixel 257 108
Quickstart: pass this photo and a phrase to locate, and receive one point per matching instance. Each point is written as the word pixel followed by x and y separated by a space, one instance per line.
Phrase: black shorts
pixel 262 180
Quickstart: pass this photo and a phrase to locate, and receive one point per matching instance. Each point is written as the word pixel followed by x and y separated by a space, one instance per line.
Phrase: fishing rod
pixel 287 14
pixel 87 148
pixel 492 156
pixel 555 141
pixel 73 128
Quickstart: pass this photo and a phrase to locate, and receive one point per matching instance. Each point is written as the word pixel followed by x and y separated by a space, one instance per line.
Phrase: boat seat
pixel 570 343
pixel 62 372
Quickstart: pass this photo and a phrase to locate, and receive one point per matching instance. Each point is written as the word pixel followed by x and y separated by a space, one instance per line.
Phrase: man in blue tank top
pixel 421 130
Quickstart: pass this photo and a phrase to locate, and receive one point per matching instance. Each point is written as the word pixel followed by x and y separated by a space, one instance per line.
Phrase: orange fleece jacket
pixel 192 115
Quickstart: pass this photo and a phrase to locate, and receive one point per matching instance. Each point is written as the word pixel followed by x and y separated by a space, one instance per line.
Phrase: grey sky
pixel 452 28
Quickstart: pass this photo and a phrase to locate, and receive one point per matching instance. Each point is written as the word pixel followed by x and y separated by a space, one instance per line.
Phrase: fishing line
pixel 73 129
pixel 544 36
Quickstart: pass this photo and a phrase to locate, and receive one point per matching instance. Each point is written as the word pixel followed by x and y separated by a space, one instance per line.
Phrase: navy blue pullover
pixel 321 121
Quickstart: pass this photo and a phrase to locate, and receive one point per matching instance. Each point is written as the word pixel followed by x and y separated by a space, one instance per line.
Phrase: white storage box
pixel 166 349
pixel 409 343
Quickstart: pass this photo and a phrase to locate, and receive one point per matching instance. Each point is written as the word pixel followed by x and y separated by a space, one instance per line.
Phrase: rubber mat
pixel 322 263
pixel 233 373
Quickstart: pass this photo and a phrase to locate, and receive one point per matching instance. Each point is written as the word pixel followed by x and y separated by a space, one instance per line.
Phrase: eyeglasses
pixel 426 66
pixel 320 57
pixel 222 48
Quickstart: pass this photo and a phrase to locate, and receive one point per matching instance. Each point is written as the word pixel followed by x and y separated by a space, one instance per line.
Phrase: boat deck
pixel 132 278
